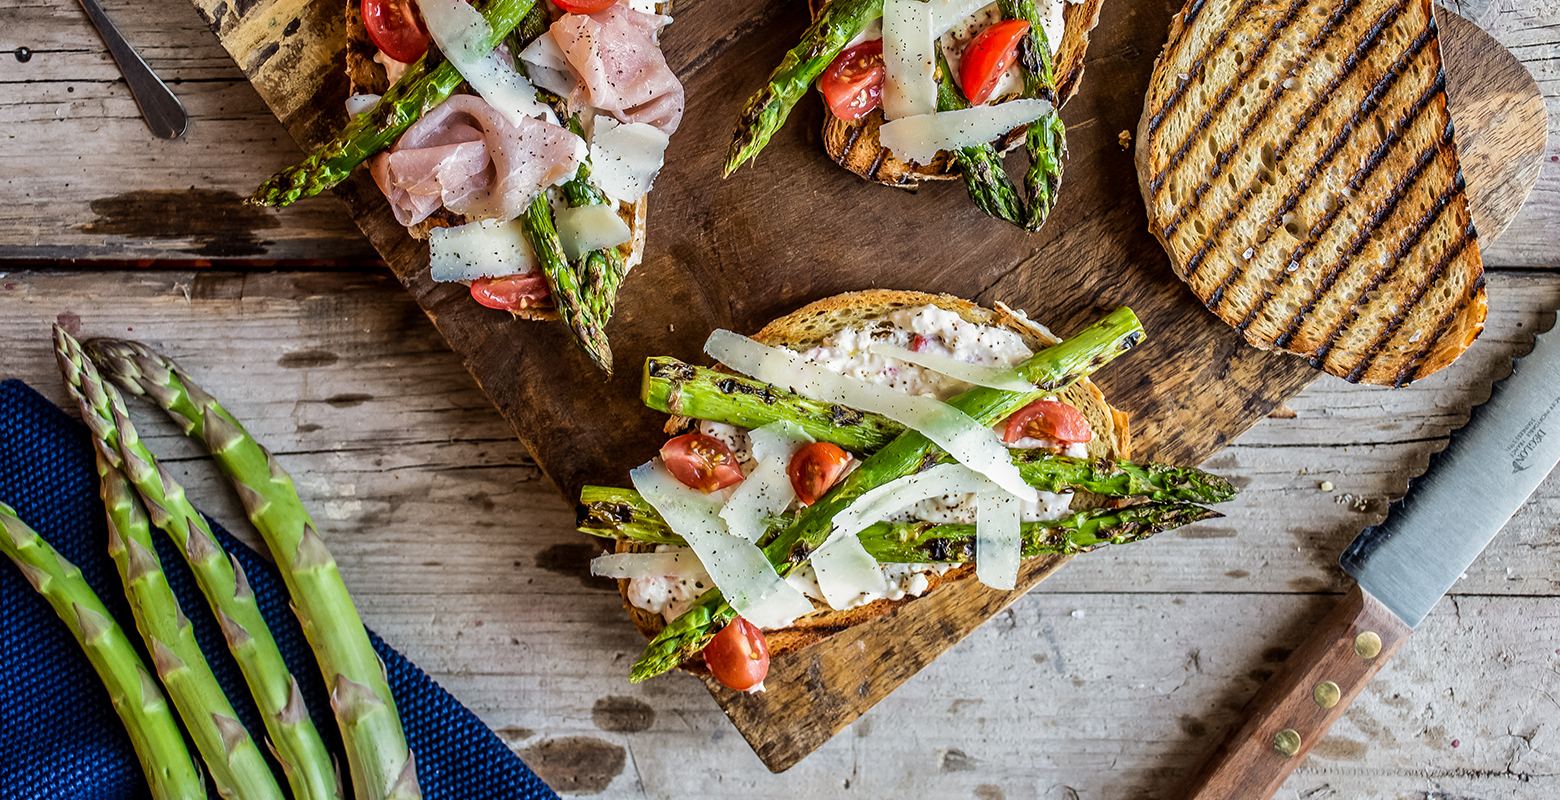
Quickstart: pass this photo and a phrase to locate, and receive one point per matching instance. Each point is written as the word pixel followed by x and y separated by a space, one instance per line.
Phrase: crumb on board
pixel 1325 486
pixel 1124 139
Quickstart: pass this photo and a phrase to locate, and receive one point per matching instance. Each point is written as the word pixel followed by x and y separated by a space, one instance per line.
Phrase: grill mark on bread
pixel 1261 115
pixel 1373 161
pixel 1376 220
pixel 1257 59
pixel 877 164
pixel 1191 74
pixel 850 144
pixel 1194 264
pixel 1420 359
pixel 1423 285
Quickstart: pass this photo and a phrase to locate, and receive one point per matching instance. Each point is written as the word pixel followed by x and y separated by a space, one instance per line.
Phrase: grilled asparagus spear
pixel 980 166
pixel 165 761
pixel 580 317
pixel 1046 140
pixel 1051 370
pixel 824 40
pixel 622 514
pixel 380 762
pixel 297 745
pixel 429 81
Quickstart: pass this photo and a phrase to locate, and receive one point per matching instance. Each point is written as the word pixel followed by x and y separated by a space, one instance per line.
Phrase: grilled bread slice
pixel 854 144
pixel 1298 164
pixel 810 326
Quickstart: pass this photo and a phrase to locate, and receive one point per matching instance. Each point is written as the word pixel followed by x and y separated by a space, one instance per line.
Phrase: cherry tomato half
pixel 584 6
pixel 814 469
pixel 395 27
pixel 528 290
pixel 702 462
pixel 853 84
pixel 989 55
pixel 738 656
pixel 1048 419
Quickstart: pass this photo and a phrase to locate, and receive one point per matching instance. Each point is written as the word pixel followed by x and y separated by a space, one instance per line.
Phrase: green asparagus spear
pixel 1046 140
pixel 612 513
pixel 564 282
pixel 429 81
pixel 765 112
pixel 1051 370
pixel 381 764
pixel 601 271
pixel 305 760
pixel 980 166
pixel 236 764
pixel 159 746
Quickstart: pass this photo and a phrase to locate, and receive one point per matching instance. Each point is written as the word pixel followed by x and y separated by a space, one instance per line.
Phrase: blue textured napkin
pixel 60 737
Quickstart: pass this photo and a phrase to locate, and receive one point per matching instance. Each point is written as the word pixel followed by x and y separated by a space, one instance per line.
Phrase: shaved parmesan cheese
pixel 588 228
pixel 876 505
pixel 919 138
pixel 948 13
pixel 624 159
pixel 909 61
pixel 978 374
pixel 846 571
pixel 997 539
pixel 462 34
pixel 358 103
pixel 676 563
pixel 970 443
pixel 744 576
pixel 479 250
pixel 767 490
pixel 545 63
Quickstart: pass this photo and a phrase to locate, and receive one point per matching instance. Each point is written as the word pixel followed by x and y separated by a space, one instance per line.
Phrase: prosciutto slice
pixel 467 157
pixel 621 66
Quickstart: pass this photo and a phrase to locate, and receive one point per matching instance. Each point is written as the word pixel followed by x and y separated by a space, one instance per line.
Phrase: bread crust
pixel 854 145
pixel 809 326
pixel 1311 196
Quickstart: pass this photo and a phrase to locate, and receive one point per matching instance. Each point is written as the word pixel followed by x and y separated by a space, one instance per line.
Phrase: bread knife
pixel 1402 568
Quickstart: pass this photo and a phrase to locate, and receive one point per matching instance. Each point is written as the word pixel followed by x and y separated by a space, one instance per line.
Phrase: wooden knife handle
pixel 1294 709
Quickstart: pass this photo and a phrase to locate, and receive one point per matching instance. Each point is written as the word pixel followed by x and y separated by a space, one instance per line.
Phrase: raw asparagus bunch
pixel 305 760
pixel 823 41
pixel 428 82
pixel 381 764
pixel 980 166
pixel 1051 370
pixel 612 513
pixel 1046 140
pixel 236 764
pixel 159 746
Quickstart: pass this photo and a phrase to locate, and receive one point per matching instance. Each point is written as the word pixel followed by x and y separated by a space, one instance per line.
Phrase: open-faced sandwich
pixel 862 452
pixel 932 90
pixel 518 137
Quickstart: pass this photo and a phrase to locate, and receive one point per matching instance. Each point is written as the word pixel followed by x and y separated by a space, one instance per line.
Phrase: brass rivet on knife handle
pixel 1326 694
pixel 1287 742
pixel 1367 645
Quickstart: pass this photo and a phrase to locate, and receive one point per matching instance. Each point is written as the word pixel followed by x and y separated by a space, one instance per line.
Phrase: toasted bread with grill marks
pixel 1298 163
pixel 810 326
pixel 854 144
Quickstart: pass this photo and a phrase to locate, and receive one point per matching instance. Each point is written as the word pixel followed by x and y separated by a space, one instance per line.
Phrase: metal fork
pixel 163 112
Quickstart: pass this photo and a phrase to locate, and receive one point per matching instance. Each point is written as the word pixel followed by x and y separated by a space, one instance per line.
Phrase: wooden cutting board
pixel 794 228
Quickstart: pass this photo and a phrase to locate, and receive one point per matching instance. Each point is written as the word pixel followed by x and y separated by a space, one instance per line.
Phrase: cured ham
pixel 466 156
pixel 621 67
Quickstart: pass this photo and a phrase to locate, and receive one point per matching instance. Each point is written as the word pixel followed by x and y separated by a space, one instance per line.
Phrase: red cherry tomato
pixel 584 6
pixel 1048 419
pixel 814 469
pixel 853 84
pixel 395 27
pixel 738 656
pixel 514 292
pixel 989 55
pixel 702 462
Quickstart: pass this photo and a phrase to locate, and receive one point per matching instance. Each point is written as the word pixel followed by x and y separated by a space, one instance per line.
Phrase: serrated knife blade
pixel 1403 567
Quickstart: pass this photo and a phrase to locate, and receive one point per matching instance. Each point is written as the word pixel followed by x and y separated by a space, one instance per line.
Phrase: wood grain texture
pixel 1107 681
pixel 1297 706
pixel 737 253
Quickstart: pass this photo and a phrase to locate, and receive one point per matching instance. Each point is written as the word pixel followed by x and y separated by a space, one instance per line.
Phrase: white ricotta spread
pixel 669 595
pixel 848 352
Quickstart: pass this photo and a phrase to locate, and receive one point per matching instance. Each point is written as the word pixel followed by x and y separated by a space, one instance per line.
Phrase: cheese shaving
pixel 919 138
pixel 846 571
pixel 767 490
pixel 480 250
pixel 624 159
pixel 967 441
pixel 878 504
pixel 909 61
pixel 977 374
pixel 997 539
pixel 461 34
pixel 676 563
pixel 585 229
pixel 738 568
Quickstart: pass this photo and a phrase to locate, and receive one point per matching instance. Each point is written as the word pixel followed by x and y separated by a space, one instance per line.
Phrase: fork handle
pixel 163 112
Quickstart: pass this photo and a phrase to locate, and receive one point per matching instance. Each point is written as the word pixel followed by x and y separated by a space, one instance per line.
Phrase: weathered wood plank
pixel 463 557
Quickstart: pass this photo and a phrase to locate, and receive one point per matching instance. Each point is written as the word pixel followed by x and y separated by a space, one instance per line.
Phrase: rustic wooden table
pixel 1107 682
